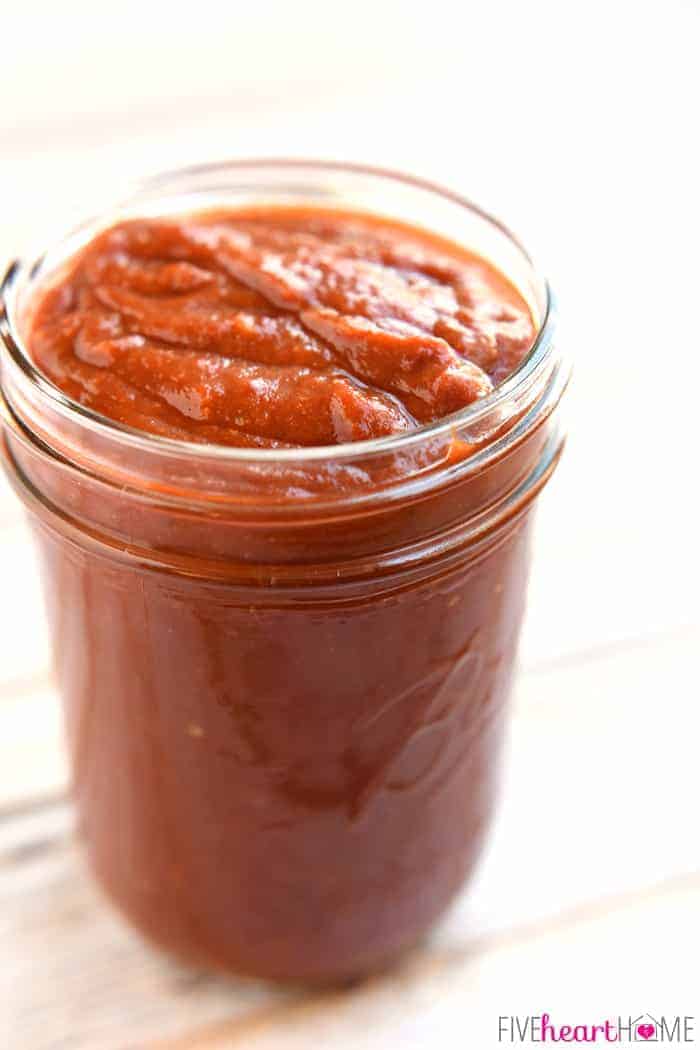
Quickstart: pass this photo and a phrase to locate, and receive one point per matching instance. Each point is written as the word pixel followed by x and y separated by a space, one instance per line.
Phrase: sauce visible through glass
pixel 285 685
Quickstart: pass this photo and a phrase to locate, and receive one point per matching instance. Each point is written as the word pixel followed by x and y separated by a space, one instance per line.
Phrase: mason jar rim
pixel 527 371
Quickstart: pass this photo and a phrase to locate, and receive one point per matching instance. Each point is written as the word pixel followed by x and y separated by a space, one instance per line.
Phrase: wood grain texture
pixel 588 844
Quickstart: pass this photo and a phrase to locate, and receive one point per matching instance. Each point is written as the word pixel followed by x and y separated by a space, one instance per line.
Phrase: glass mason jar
pixel 285 673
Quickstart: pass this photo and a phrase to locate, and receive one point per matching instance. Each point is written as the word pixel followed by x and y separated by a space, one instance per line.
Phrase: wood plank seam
pixel 238 1031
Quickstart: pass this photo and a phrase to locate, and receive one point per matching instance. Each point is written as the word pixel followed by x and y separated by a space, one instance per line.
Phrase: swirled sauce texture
pixel 277 327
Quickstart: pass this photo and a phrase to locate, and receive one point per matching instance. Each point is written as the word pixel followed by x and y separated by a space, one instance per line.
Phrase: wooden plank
pixel 120 995
pixel 602 758
pixel 586 968
pixel 581 822
pixel 74 975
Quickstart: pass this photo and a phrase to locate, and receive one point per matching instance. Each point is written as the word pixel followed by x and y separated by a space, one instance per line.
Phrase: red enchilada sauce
pixel 284 732
pixel 278 328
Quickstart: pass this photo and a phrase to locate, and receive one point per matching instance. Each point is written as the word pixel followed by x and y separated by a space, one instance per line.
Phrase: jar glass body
pixel 285 676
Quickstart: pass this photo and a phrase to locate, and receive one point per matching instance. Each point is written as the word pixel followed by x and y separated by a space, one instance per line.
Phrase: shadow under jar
pixel 285 672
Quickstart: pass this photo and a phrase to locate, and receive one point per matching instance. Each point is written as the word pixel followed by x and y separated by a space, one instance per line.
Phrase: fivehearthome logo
pixel 625 1031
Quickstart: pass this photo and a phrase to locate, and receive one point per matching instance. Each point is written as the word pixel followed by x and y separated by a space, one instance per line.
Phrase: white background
pixel 579 125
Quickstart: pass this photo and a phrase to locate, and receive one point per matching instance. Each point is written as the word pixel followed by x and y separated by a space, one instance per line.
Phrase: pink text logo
pixel 625 1031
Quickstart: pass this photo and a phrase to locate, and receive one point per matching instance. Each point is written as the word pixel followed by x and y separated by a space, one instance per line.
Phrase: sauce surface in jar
pixel 278 327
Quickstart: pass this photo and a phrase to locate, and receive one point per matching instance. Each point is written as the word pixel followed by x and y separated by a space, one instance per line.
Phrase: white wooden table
pixel 588 902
